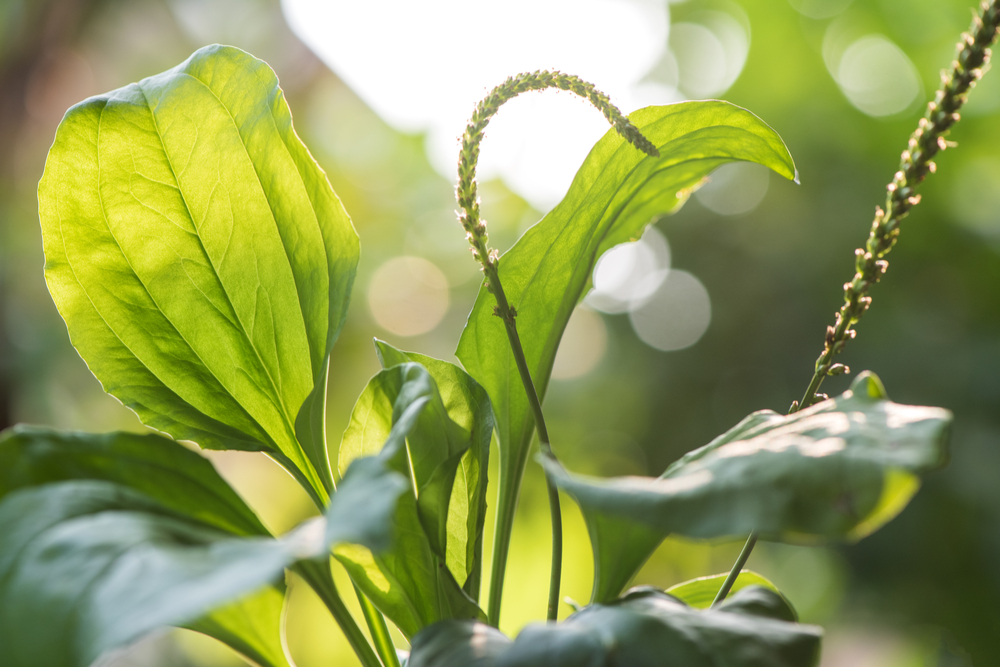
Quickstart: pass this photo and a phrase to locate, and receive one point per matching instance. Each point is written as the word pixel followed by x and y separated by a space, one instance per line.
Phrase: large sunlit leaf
pixel 837 470
pixel 400 416
pixel 468 406
pixel 645 628
pixel 200 258
pixel 148 534
pixel 616 193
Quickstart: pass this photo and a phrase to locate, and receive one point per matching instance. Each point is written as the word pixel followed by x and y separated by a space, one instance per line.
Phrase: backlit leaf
pixel 467 405
pixel 200 258
pixel 401 416
pixel 616 193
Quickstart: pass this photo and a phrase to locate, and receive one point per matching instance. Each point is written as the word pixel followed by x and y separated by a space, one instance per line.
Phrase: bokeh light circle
pixel 734 188
pixel 877 77
pixel 676 316
pixel 582 347
pixel 408 296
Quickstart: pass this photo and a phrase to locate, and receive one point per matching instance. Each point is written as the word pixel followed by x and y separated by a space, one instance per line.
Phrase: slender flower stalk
pixel 916 162
pixel 475 230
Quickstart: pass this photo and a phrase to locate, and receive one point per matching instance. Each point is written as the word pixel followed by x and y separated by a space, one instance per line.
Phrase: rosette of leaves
pixel 203 266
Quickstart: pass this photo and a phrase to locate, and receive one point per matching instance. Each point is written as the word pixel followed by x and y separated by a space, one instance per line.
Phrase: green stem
pixel 379 630
pixel 734 573
pixel 475 228
pixel 507 314
pixel 317 575
pixel 973 54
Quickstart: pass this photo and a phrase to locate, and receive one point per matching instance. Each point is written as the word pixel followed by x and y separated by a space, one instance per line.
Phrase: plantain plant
pixel 204 265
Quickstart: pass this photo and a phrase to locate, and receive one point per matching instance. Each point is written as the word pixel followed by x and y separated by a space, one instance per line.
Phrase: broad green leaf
pixel 401 415
pixel 700 593
pixel 200 258
pixel 176 478
pixel 616 193
pixel 645 628
pixel 138 523
pixel 837 470
pixel 467 405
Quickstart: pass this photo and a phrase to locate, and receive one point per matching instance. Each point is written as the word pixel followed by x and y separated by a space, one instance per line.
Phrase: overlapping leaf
pixel 200 258
pixel 109 537
pixel 645 628
pixel 467 405
pixel 615 194
pixel 401 416
pixel 837 470
pixel 700 593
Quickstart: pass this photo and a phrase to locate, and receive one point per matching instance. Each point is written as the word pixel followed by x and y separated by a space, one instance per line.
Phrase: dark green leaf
pixel 467 405
pixel 150 535
pixel 200 258
pixel 157 467
pixel 838 470
pixel 401 415
pixel 645 628
pixel 615 194
pixel 176 478
pixel 457 644
pixel 88 566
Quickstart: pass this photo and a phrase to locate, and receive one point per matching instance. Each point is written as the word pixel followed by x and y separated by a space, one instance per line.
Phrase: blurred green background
pixel 771 256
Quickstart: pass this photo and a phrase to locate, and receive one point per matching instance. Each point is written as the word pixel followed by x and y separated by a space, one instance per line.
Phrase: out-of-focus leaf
pixel 467 405
pixel 200 258
pixel 700 593
pixel 401 415
pixel 616 193
pixel 138 522
pixel 176 478
pixel 837 470
pixel 88 566
pixel 157 467
pixel 645 628
pixel 457 643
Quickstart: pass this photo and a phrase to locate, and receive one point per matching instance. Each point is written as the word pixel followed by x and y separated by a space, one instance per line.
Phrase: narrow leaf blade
pixel 616 193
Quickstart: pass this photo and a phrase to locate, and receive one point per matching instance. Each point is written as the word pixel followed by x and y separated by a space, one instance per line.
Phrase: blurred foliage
pixel 920 592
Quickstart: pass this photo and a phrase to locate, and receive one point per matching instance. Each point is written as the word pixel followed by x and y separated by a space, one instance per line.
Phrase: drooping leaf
pixel 401 415
pixel 837 470
pixel 700 593
pixel 200 258
pixel 467 405
pixel 616 193
pixel 645 628
pixel 115 535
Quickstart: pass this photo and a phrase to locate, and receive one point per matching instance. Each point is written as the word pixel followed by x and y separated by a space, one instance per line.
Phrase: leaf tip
pixel 868 385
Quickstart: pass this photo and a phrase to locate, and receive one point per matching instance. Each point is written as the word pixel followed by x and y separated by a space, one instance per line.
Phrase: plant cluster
pixel 204 265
